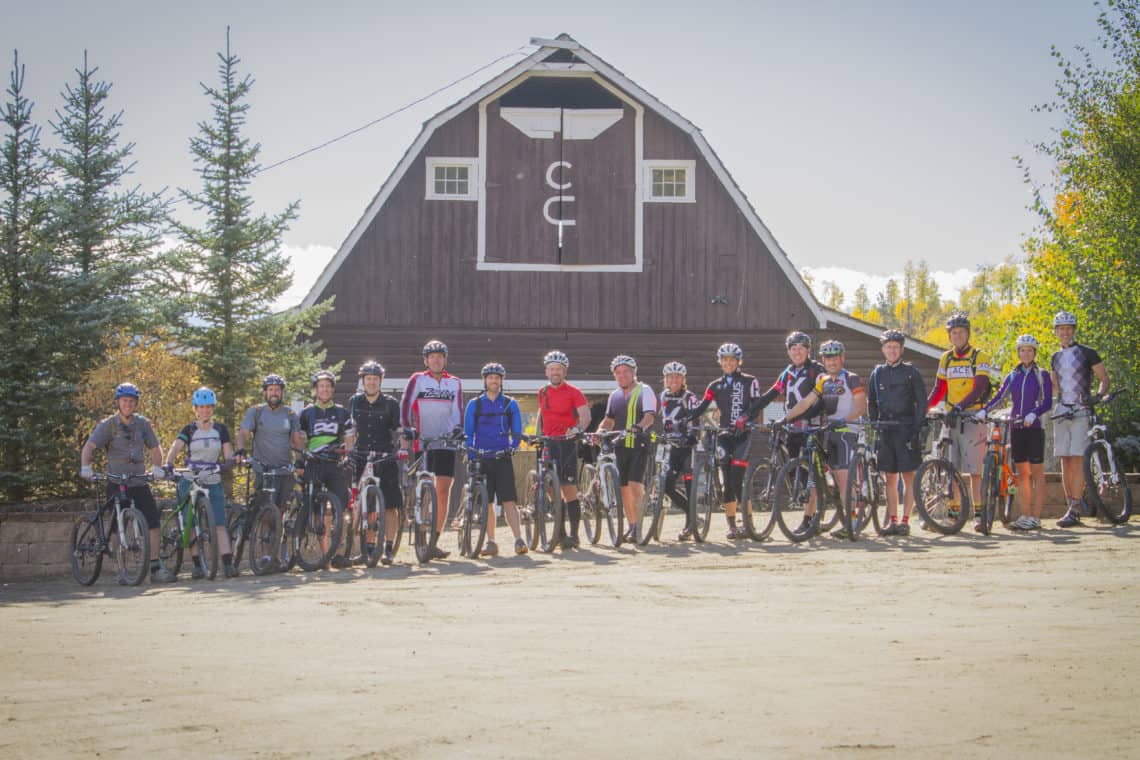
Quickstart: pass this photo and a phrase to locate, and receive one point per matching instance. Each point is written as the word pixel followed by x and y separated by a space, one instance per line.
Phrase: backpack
pixel 945 364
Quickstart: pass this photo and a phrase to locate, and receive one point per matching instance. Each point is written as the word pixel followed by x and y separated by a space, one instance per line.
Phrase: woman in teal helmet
pixel 207 442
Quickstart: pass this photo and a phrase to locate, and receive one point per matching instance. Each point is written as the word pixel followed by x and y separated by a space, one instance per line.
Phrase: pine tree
pixel 230 269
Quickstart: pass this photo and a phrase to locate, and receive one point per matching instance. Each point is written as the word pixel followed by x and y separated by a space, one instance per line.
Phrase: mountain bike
pixel 542 516
pixel 866 486
pixel 601 499
pixel 706 489
pixel 258 523
pixel 803 479
pixel 420 496
pixel 126 537
pixel 189 527
pixel 476 510
pixel 1106 486
pixel 320 517
pixel 758 499
pixel 656 500
pixel 368 510
pixel 941 496
pixel 999 484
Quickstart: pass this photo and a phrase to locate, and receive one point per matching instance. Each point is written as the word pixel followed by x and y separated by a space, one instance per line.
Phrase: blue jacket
pixel 499 423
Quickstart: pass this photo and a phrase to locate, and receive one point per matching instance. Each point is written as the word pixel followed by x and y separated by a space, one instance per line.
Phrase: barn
pixel 560 205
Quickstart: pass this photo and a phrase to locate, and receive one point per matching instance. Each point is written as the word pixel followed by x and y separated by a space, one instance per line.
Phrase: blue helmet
pixel 127 390
pixel 204 397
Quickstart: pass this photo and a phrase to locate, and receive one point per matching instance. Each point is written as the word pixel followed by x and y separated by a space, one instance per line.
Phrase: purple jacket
pixel 1031 389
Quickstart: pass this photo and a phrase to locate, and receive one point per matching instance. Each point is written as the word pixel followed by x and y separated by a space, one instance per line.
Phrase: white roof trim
pixel 621 80
pixel 858 325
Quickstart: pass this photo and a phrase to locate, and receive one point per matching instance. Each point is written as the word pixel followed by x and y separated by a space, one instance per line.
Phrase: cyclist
pixel 1073 367
pixel 1031 392
pixel 844 401
pixel 676 402
pixel 562 410
pixel 794 383
pixel 276 434
pixel 127 438
pixel 376 420
pixel 897 394
pixel 964 382
pixel 492 422
pixel 633 407
pixel 206 442
pixel 431 405
pixel 737 396
pixel 326 427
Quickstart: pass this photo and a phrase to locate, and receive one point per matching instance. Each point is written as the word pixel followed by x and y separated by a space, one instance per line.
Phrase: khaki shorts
pixel 969 441
pixel 1070 437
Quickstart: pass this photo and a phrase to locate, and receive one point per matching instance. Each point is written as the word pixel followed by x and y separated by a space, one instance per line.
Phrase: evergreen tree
pixel 230 269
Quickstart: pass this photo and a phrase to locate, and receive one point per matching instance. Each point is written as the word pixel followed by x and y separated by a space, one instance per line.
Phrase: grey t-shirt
pixel 272 434
pixel 126 444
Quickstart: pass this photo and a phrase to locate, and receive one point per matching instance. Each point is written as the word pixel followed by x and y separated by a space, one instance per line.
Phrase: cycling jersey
pixel 432 406
pixel 1031 391
pixel 794 384
pixel 626 408
pixel 896 393
pixel 326 426
pixel 839 393
pixel 204 446
pixel 1073 366
pixel 558 405
pixel 126 445
pixel 737 396
pixel 492 424
pixel 375 422
pixel 963 379
pixel 675 409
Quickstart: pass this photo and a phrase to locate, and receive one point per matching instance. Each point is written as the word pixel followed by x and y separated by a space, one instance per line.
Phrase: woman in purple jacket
pixel 1031 391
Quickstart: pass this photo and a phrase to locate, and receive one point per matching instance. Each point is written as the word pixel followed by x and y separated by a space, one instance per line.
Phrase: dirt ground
pixel 924 646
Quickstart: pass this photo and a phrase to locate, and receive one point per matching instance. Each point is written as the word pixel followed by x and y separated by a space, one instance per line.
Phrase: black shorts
pixel 500 480
pixel 565 453
pixel 440 462
pixel 733 451
pixel 897 451
pixel 1027 445
pixel 795 443
pixel 143 501
pixel 330 475
pixel 840 449
pixel 631 464
pixel 388 473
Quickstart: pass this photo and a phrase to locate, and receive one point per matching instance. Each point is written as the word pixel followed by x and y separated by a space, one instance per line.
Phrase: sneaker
pixel 1071 519
pixel 340 562
pixel 490 550
pixel 386 555
pixel 900 529
pixel 891 529
pixel 735 532
pixel 568 543
pixel 520 546
pixel 197 573
pixel 630 536
pixel 840 532
pixel 805 525
pixel 685 535
pixel 163 575
pixel 438 553
pixel 1022 523
pixel 1034 523
pixel 977 525
pixel 231 571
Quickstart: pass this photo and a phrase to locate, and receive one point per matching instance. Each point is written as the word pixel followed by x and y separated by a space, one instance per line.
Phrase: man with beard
pixel 276 432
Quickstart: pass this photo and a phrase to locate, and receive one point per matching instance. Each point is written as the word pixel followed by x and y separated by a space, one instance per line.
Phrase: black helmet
pixel 370 367
pixel 958 319
pixel 272 379
pixel 435 347
pixel 324 374
pixel 893 335
pixel 798 338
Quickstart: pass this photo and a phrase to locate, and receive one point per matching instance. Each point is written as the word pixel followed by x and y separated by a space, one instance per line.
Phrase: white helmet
pixel 621 359
pixel 729 349
pixel 674 368
pixel 1028 340
pixel 556 357
pixel 1064 318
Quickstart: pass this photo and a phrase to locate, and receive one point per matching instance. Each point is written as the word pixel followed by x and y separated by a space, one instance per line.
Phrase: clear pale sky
pixel 864 133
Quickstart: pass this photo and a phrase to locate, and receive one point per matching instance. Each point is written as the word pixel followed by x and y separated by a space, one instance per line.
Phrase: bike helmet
pixel 370 367
pixel 324 374
pixel 435 347
pixel 493 368
pixel 272 379
pixel 127 390
pixel 204 397
pixel 893 335
pixel 556 357
pixel 1028 340
pixel 1064 318
pixel 832 348
pixel 621 359
pixel 958 319
pixel 798 338
pixel 729 349
pixel 674 368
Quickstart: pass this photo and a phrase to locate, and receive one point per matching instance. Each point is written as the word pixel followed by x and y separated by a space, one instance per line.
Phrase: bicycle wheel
pixel 264 537
pixel 791 500
pixel 879 516
pixel 206 540
pixel 828 501
pixel 424 533
pixel 287 547
pixel 86 552
pixel 318 531
pixel 371 526
pixel 236 528
pixel 654 513
pixel 860 498
pixel 941 497
pixel 991 492
pixel 131 549
pixel 401 521
pixel 614 511
pixel 170 542
pixel 1106 487
pixel 528 513
pixel 475 522
pixel 590 500
pixel 702 498
pixel 756 501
